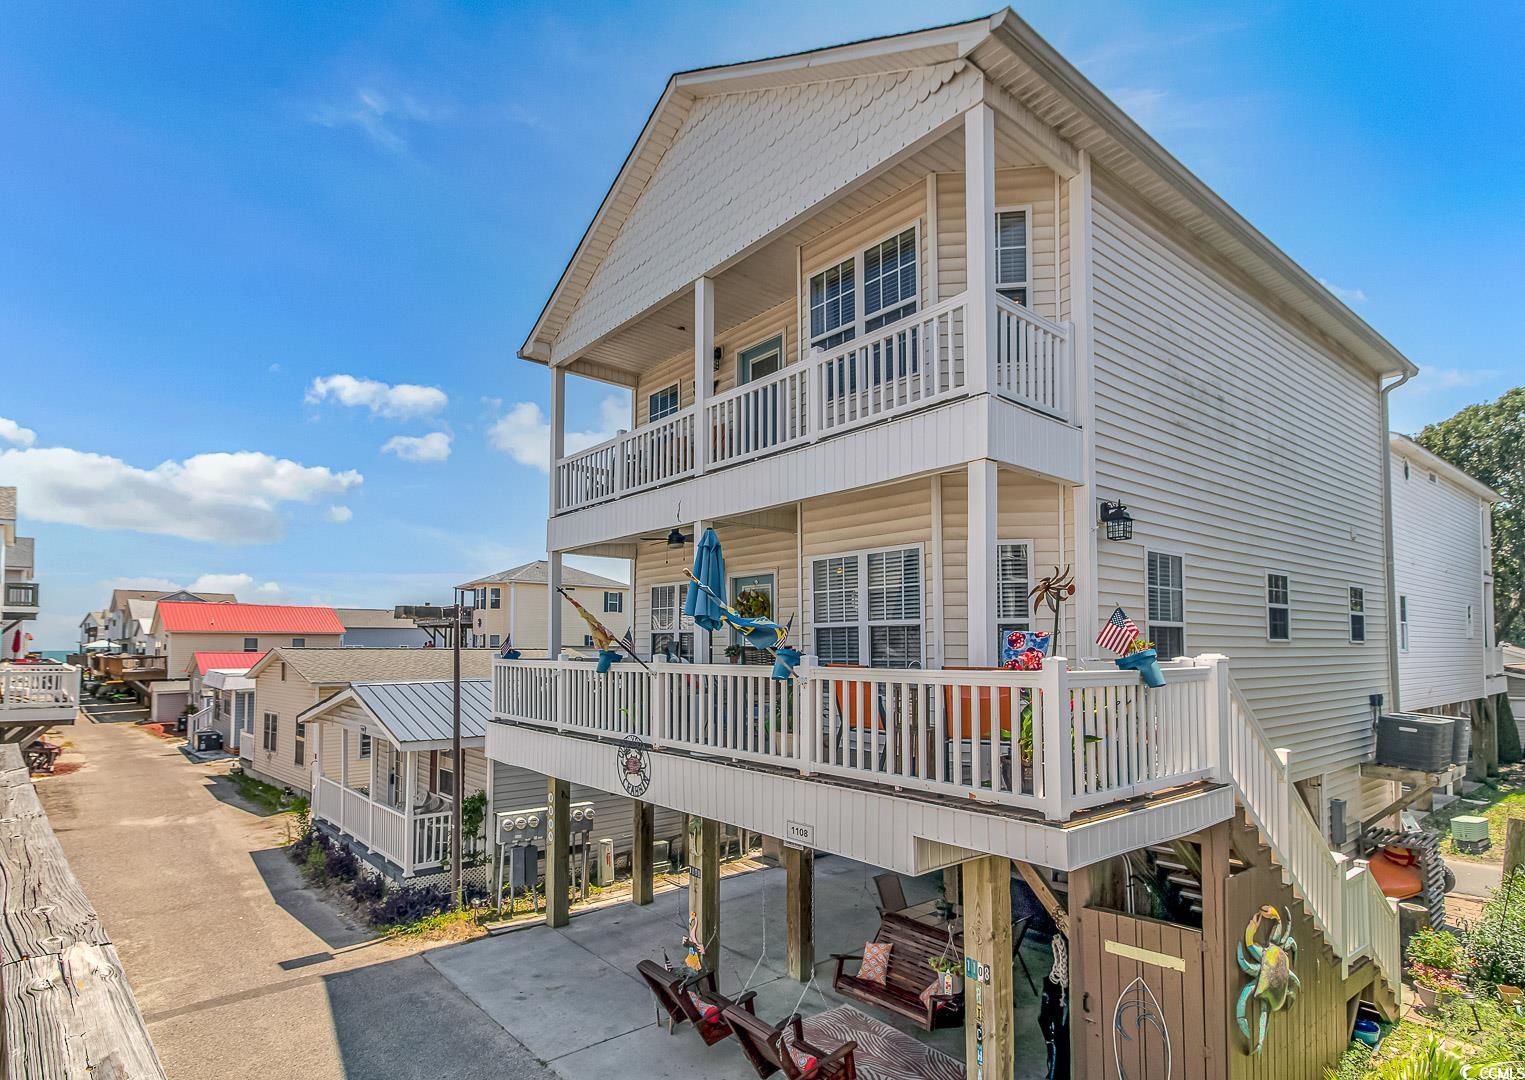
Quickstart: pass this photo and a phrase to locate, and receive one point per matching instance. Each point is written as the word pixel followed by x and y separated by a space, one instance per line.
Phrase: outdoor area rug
pixel 883 1053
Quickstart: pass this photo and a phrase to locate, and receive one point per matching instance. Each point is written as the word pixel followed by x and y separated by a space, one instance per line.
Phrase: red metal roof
pixel 182 618
pixel 235 661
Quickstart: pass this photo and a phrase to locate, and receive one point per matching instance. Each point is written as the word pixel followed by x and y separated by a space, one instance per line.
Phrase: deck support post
pixel 409 788
pixel 799 889
pixel 704 888
pixel 553 599
pixel 558 861
pixel 641 858
pixel 989 1035
pixel 983 482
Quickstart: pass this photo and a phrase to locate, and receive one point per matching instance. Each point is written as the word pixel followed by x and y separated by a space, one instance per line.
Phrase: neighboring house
pixel 379 628
pixel 386 773
pixel 182 629
pixel 1513 657
pixel 915 323
pixel 274 745
pixel 221 693
pixel 1443 583
pixel 92 630
pixel 133 655
pixel 20 598
pixel 512 606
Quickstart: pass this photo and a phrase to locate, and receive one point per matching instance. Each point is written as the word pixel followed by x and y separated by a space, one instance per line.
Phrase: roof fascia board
pixel 1462 479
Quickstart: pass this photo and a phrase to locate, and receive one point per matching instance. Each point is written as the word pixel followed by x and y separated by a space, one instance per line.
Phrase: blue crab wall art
pixel 1273 984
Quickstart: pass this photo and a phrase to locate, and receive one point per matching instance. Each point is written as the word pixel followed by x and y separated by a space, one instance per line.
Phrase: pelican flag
pixel 1119 633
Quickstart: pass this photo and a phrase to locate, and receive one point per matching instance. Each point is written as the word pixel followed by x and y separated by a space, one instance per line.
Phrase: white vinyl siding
pixel 1195 429
pixel 1278 607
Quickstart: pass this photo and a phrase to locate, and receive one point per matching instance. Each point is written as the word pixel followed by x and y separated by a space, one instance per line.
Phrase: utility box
pixel 1417 741
pixel 603 873
pixel 1470 834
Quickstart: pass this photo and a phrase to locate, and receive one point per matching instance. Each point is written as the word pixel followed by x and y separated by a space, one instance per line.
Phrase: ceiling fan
pixel 677 538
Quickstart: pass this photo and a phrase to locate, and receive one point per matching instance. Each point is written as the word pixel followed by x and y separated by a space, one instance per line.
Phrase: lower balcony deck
pixel 912 770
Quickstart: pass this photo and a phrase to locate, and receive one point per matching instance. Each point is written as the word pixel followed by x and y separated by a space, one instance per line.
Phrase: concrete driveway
pixel 240 970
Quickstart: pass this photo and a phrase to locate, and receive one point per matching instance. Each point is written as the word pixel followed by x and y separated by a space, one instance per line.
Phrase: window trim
pixel 619 602
pixel 677 391
pixel 1287 606
pixel 270 732
pixel 1403 623
pixel 251 648
pixel 1025 286
pixel 365 745
pixel 495 597
pixel 299 745
pixel 860 316
pixel 299 643
pixel 1002 624
pixel 863 623
pixel 744 363
pixel 1174 553
pixel 1351 612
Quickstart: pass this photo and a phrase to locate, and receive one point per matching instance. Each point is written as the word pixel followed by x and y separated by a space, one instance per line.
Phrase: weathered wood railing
pixel 909 364
pixel 65 1006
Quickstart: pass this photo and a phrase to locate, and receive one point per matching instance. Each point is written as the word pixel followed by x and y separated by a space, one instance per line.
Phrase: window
pixel 251 644
pixel 833 302
pixel 614 601
pixel 587 641
pixel 1278 607
pixel 889 280
pixel 1167 604
pixel 1011 254
pixel 673 646
pixel 299 748
pixel 299 643
pixel 494 640
pixel 672 632
pixel 1013 611
pixel 871 599
pixel 1357 614
pixel 267 740
pixel 495 598
pixel 1405 470
pixel 365 745
pixel 444 779
pixel 1471 625
pixel 762 359
pixel 663 403
pixel 1403 623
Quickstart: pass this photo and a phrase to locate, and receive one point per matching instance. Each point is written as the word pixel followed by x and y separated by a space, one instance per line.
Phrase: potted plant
pixel 950 976
pixel 1434 958
pixel 1142 658
pixel 733 652
pixel 1434 987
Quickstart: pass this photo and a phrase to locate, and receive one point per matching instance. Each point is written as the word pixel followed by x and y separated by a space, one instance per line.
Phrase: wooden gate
pixel 1139 999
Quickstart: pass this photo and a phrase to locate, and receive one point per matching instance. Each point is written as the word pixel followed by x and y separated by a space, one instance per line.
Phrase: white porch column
pixel 409 772
pixel 983 479
pixel 1087 595
pixel 553 598
pixel 704 363
pixel 558 427
pixel 979 226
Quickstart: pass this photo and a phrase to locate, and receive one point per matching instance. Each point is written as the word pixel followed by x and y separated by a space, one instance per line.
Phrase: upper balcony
pixel 21 600
pixel 34 697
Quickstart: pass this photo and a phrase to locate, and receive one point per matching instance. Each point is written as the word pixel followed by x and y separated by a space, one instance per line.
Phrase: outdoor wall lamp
pixel 1119 523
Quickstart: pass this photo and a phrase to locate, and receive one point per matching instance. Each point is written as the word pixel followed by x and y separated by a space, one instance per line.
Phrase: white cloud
pixel 1456 378
pixel 241 585
pixel 384 119
pixel 434 446
pixel 1349 296
pixel 524 432
pixel 15 434
pixel 339 514
pixel 227 498
pixel 403 399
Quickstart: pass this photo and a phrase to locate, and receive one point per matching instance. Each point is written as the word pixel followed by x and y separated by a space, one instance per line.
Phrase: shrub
pixel 299 847
pixel 1436 949
pixel 1430 1061
pixel 368 889
pixel 316 864
pixel 1496 944
pixel 341 863
pixel 410 905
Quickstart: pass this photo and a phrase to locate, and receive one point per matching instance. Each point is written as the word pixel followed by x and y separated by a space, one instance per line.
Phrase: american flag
pixel 1119 633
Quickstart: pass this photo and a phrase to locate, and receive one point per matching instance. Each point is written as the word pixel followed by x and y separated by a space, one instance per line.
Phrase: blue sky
pixel 206 208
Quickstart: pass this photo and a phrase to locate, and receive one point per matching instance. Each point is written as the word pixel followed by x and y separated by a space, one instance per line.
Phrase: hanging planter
pixel 1147 663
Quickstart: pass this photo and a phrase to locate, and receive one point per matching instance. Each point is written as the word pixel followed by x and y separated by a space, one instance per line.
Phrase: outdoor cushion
pixel 707 1011
pixel 876 962
pixel 803 1059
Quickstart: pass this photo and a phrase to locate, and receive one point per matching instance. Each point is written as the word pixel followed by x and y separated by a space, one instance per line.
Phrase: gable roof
pixel 204 662
pixel 418 715
pixel 1063 110
pixel 179 617
pixel 120 597
pixel 539 572
pixel 329 666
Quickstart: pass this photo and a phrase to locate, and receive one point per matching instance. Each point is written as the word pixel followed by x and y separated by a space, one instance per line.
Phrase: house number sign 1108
pixel 799 834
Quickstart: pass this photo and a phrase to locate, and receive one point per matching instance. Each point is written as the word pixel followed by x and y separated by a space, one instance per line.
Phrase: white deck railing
pixel 431 838
pixel 38 686
pixel 383 828
pixel 1093 737
pixel 910 364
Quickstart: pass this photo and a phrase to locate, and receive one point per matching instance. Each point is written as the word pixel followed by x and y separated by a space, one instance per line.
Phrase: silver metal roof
pixel 419 712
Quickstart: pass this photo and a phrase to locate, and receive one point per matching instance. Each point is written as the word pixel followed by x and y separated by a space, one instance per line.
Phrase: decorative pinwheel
pixel 1053 591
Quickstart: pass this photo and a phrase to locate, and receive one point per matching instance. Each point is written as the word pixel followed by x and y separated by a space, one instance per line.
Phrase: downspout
pixel 1391 622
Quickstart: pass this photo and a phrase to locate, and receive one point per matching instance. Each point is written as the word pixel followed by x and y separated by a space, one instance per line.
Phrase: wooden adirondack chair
pixel 695 998
pixel 785 1049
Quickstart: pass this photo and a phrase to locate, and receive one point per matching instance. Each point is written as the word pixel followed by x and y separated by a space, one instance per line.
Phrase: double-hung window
pixel 1403 623
pixel 365 745
pixel 299 747
pixel 868 607
pixel 267 741
pixel 1278 607
pixel 614 602
pixel 672 632
pixel 663 403
pixel 1357 614
pixel 885 272
pixel 444 774
pixel 1013 589
pixel 495 598
pixel 1167 604
pixel 1012 251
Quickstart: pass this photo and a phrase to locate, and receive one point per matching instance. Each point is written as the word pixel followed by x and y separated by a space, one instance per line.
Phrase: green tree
pixel 1488 442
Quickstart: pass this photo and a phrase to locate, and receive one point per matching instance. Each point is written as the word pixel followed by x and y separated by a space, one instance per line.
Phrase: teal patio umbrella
pixel 706 606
